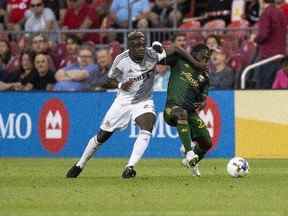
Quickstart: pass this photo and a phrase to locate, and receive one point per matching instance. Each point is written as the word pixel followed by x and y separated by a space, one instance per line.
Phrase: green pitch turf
pixel 37 187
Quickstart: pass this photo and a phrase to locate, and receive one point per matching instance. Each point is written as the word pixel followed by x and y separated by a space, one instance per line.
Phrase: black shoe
pixel 129 172
pixel 73 172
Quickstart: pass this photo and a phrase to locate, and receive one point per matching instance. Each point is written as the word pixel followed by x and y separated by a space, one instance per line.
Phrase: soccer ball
pixel 238 167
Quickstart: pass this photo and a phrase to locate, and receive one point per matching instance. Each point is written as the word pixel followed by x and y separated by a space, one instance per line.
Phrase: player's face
pixel 138 49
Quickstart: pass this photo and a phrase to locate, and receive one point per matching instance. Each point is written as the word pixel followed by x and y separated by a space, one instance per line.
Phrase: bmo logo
pixel 15 126
pixel 211 117
pixel 53 125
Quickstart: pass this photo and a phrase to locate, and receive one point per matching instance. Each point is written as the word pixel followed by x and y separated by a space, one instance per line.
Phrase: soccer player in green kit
pixel 186 96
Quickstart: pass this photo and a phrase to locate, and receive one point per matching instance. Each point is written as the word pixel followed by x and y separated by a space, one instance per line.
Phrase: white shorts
pixel 119 116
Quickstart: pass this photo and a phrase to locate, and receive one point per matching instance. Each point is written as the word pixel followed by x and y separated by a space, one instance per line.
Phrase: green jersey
pixel 187 85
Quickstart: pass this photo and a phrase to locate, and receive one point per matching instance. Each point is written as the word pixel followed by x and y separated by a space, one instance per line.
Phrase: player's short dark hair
pixel 199 48
pixel 132 36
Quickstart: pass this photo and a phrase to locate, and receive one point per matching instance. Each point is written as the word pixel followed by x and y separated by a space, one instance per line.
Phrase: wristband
pixel 119 85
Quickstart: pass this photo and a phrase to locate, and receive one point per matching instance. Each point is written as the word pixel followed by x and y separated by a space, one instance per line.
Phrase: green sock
pixel 184 134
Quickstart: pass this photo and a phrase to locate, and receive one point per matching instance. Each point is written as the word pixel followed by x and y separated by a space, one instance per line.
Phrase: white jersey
pixel 124 69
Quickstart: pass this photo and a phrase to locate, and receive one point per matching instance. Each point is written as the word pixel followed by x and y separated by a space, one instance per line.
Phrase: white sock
pixel 139 147
pixel 90 149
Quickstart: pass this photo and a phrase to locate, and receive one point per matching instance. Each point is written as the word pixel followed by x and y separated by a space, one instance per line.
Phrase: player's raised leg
pixel 145 122
pixel 92 146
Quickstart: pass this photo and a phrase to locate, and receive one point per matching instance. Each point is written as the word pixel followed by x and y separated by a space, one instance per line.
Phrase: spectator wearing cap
pixel 78 77
pixel 281 79
pixel 44 77
pixel 271 40
pixel 223 76
pixel 81 15
pixel 39 18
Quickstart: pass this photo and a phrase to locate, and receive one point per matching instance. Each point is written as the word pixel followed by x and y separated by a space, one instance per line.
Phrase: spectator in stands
pixel 163 14
pixel 15 13
pixel 44 78
pixel 80 15
pixel 2 14
pixel 40 44
pixel 139 11
pixel 73 42
pixel 219 9
pixel 252 11
pixel 223 76
pixel 8 62
pixel 24 77
pixel 78 77
pixel 58 7
pixel 180 40
pixel 39 18
pixel 101 80
pixel 213 42
pixel 281 80
pixel 271 40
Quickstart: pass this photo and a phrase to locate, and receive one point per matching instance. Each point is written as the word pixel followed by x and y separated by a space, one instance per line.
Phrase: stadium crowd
pixel 37 54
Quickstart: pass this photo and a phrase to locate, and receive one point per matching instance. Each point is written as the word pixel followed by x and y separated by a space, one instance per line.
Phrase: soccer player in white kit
pixel 134 71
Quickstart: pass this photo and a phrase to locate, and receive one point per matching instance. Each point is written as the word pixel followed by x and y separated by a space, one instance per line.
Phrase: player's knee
pixel 103 136
pixel 180 113
pixel 205 144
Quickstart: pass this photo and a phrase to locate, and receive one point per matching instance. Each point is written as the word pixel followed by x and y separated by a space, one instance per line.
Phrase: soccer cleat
pixel 73 172
pixel 192 158
pixel 129 172
pixel 185 162
pixel 195 170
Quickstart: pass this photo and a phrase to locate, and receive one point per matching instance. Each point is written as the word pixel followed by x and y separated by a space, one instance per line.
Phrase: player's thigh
pixel 117 117
pixel 198 128
pixel 144 115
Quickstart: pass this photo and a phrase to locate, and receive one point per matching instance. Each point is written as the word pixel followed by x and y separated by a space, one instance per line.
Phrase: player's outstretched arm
pixel 181 52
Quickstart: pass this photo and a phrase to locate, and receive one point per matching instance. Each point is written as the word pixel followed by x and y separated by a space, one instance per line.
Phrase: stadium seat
pixel 240 34
pixel 213 26
pixel 193 37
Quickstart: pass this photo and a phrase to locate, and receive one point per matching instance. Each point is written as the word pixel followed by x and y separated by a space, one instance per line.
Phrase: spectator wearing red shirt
pixel 16 10
pixel 72 45
pixel 80 15
pixel 271 40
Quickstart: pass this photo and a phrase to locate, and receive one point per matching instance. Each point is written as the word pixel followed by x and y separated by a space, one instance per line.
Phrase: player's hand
pixel 126 85
pixel 157 46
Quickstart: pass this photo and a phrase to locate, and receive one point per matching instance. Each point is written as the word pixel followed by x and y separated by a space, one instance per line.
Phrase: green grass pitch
pixel 37 187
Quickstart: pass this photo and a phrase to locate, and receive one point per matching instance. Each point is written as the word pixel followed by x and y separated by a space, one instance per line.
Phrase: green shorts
pixel 196 124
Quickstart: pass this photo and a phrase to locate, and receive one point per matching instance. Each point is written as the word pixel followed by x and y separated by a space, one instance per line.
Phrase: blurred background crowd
pixel 69 45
